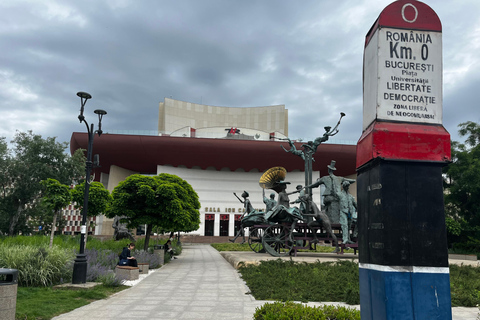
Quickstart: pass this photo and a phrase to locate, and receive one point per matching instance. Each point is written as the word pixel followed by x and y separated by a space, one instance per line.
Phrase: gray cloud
pixel 131 54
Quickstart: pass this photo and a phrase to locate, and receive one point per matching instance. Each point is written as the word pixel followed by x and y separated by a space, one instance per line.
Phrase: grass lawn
pixel 46 303
pixel 326 281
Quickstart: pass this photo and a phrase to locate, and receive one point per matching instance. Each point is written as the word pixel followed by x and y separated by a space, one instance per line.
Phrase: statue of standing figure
pixel 301 194
pixel 121 231
pixel 248 208
pixel 348 213
pixel 270 203
pixel 331 195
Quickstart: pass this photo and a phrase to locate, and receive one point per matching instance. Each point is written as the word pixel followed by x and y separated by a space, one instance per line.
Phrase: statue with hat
pixel 249 218
pixel 273 179
pixel 248 208
pixel 332 193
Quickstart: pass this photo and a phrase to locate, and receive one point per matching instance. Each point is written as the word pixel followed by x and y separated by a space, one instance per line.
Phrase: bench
pixel 127 272
pixel 143 268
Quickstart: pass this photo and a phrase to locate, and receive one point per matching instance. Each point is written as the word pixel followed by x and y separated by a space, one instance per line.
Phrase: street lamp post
pixel 80 264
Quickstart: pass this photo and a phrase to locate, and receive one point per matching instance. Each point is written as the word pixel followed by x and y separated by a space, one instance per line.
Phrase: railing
pixel 205 135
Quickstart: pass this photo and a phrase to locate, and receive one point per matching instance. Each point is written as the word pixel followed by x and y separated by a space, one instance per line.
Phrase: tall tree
pixel 164 201
pixel 32 160
pixel 5 159
pixel 56 196
pixel 99 198
pixel 462 183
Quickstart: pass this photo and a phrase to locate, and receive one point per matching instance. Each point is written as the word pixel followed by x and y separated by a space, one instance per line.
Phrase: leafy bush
pixel 100 263
pixel 231 246
pixel 465 285
pixel 38 266
pixel 153 260
pixel 469 246
pixel 301 281
pixel 296 311
pixel 104 257
pixel 177 247
pixel 110 279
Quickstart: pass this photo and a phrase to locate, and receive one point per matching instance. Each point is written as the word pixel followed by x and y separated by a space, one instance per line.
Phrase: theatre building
pixel 219 151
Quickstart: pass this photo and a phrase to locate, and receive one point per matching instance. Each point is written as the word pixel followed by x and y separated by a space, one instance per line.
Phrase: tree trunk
pixel 147 236
pixel 14 220
pixel 54 224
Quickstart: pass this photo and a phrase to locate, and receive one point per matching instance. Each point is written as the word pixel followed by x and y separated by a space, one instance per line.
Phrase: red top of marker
pixel 406 14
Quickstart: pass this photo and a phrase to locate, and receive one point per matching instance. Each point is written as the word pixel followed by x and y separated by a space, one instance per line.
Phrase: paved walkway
pixel 200 284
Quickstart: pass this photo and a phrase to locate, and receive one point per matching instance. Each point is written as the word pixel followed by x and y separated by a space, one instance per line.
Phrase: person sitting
pixel 168 249
pixel 125 257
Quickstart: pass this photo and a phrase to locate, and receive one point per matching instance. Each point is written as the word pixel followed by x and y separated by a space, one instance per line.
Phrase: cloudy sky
pixel 129 55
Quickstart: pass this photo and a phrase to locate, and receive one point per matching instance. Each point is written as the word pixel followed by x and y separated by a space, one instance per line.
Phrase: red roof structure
pixel 142 154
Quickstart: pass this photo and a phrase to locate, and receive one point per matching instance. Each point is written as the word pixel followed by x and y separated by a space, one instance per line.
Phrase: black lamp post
pixel 80 265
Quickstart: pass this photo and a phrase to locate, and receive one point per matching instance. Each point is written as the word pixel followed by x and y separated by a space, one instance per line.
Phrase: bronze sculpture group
pixel 340 205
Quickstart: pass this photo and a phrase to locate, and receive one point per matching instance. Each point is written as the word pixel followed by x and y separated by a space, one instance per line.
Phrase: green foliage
pixel 46 303
pixel 454 227
pixel 99 198
pixel 469 245
pixel 177 247
pixel 37 266
pixel 40 266
pixel 56 195
pixel 31 160
pixel 304 282
pixel 231 246
pixel 165 201
pixel 109 280
pixel 296 311
pixel 465 285
pixel 67 242
pixel 62 241
pixel 462 186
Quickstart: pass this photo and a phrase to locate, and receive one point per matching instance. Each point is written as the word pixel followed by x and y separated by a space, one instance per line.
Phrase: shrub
pixel 101 263
pixel 296 311
pixel 465 285
pixel 153 260
pixel 110 244
pixel 110 279
pixel 231 246
pixel 301 281
pixel 104 257
pixel 177 247
pixel 38 266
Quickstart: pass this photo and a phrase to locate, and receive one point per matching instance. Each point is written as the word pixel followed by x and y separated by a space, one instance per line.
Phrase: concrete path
pixel 200 284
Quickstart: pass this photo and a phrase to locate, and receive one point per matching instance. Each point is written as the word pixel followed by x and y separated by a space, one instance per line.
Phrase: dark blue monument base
pixel 403 252
pixel 404 295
